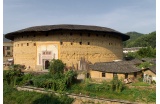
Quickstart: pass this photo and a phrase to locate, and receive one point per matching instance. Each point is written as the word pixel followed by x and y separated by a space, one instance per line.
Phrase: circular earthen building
pixel 75 45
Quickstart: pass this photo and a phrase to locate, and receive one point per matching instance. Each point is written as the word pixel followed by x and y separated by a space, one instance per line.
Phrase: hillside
pixel 141 40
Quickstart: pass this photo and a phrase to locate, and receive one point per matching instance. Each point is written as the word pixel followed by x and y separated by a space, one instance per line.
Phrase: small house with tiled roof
pixel 123 69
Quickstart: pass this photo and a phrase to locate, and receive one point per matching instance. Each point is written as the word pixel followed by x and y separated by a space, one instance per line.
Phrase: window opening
pixel 103 74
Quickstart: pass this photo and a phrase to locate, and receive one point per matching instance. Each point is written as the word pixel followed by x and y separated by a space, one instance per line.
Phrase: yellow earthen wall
pixel 100 49
pixel 121 76
pixel 148 72
pixel 95 74
pixel 130 75
pixel 109 76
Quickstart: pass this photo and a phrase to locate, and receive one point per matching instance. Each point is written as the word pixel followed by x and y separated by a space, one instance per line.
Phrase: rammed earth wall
pixel 71 47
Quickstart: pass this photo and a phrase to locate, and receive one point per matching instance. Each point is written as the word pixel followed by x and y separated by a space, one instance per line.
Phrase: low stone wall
pixel 79 99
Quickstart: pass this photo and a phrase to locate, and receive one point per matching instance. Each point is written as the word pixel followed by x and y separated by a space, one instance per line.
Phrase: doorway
pixel 46 64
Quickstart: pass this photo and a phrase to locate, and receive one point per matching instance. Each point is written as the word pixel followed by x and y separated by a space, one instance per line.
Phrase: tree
pixel 56 66
pixel 147 52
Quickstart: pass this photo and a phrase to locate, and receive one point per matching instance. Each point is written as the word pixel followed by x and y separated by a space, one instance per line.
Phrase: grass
pixel 140 84
pixel 12 96
pixel 101 90
pixel 133 94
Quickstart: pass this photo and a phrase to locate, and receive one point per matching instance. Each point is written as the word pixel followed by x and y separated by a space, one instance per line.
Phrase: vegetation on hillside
pixel 141 40
pixel 148 52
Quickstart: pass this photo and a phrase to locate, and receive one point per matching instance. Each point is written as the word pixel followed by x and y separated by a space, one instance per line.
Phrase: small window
pixel 34 44
pixel 80 43
pixel 135 74
pixel 103 74
pixel 126 75
pixel 61 43
pixel 88 75
pixel 8 48
pixel 27 44
pixel 88 43
pixel 46 34
pixel 88 34
pixel 8 53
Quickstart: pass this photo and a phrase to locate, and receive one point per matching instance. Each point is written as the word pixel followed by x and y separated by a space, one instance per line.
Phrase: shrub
pixel 70 77
pixel 116 85
pixel 24 80
pixel 10 76
pixel 56 66
pixel 145 65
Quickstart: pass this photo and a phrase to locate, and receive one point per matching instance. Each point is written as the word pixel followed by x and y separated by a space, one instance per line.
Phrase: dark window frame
pixel 89 34
pixel 8 48
pixel 8 53
pixel 61 43
pixel 103 74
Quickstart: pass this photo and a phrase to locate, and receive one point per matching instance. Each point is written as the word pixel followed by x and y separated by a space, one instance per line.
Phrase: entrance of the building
pixel 46 64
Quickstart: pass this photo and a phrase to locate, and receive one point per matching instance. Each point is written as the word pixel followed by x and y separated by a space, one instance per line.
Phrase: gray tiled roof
pixel 66 27
pixel 153 69
pixel 116 67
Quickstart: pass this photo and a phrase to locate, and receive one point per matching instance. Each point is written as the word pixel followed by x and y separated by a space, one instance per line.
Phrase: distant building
pixel 151 72
pixel 132 49
pixel 7 52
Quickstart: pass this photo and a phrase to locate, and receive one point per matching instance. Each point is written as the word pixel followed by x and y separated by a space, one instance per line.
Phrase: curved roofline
pixel 65 27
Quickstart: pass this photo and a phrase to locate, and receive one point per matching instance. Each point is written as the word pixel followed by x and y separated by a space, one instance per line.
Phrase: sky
pixel 121 15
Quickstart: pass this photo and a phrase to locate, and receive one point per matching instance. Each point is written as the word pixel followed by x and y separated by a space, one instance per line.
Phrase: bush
pixel 147 52
pixel 116 85
pixel 56 66
pixel 11 75
pixel 24 80
pixel 145 65
pixel 57 81
pixel 70 77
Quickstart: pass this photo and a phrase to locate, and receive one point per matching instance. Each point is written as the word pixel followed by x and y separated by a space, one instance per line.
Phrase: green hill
pixel 140 40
